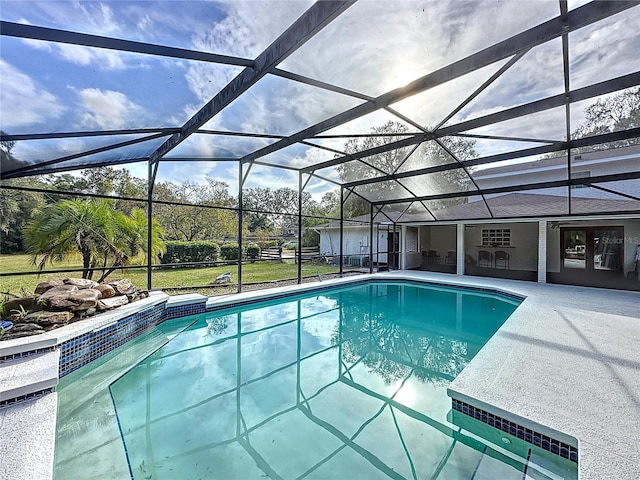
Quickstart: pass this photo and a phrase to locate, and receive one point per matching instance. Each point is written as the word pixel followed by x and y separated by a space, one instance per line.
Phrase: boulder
pixel 57 291
pixel 84 299
pixel 123 286
pixel 26 327
pixel 44 286
pixel 107 290
pixel 59 303
pixel 27 303
pixel 224 278
pixel 142 293
pixel 48 318
pixel 68 297
pixel 13 333
pixel 114 302
pixel 81 283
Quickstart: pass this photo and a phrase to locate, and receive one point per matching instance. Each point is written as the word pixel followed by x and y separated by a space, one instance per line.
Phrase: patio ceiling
pixel 402 104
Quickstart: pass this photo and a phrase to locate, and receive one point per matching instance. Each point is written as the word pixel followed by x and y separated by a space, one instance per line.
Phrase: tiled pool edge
pixel 546 442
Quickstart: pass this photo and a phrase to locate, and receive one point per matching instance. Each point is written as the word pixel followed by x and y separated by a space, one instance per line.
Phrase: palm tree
pixel 93 228
pixel 131 241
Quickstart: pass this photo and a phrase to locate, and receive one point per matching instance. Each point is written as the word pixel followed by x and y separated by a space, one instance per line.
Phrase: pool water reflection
pixel 349 383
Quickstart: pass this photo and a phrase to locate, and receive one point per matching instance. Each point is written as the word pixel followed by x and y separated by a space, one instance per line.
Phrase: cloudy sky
pixel 374 47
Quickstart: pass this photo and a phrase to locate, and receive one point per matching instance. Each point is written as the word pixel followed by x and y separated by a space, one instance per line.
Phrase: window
pixel 496 237
pixel 583 174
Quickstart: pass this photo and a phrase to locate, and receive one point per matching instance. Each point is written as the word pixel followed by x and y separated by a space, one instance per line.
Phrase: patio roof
pixel 401 106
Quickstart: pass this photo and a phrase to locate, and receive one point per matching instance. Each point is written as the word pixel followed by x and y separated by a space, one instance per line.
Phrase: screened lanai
pixel 398 123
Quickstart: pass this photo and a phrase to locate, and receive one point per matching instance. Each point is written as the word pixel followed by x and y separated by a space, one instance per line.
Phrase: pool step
pixel 28 412
pixel 28 377
pixel 27 437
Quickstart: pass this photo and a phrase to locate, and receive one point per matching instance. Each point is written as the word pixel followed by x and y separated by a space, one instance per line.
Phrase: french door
pixel 591 253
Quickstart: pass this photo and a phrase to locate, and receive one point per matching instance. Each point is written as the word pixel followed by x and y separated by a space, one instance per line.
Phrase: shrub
pixel 253 251
pixel 180 252
pixel 267 244
pixel 229 251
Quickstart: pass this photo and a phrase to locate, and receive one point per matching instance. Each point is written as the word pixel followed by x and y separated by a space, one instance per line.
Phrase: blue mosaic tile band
pixel 530 436
pixel 242 303
pixel 184 310
pixel 81 350
pixel 359 281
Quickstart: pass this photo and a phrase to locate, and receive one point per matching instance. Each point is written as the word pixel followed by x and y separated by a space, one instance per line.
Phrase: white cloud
pixel 23 102
pixel 83 17
pixel 108 109
pixel 606 49
pixel 91 17
pixel 274 178
pixel 244 33
pixel 85 56
pixel 205 79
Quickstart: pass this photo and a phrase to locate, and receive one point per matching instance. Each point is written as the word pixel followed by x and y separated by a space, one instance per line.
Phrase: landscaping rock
pixel 143 293
pixel 14 333
pixel 27 303
pixel 107 290
pixel 109 303
pixel 63 301
pixel 45 318
pixel 26 327
pixel 44 286
pixel 59 303
pixel 84 299
pixel 81 283
pixel 224 278
pixel 57 291
pixel 123 286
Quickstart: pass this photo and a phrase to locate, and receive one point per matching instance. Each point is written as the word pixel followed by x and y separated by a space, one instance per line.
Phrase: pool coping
pixel 493 380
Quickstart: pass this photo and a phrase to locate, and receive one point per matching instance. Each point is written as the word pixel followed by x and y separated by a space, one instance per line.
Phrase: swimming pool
pixel 345 383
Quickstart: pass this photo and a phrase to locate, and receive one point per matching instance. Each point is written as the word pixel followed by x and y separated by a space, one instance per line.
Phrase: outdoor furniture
pixel 433 256
pixel 501 259
pixel 450 258
pixel 485 259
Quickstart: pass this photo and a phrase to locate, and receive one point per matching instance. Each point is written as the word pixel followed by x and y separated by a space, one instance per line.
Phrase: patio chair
pixel 450 258
pixel 485 258
pixel 502 259
pixel 433 256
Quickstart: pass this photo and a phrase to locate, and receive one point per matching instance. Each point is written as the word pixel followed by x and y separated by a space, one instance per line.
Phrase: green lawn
pixel 162 278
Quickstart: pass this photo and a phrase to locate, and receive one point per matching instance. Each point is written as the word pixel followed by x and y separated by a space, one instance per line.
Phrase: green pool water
pixel 348 383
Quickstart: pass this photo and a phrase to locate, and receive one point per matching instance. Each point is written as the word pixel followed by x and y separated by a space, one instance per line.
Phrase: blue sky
pixel 371 48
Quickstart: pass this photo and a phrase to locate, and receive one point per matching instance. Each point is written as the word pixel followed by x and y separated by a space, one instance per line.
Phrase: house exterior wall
pixel 590 164
pixel 524 243
pixel 356 242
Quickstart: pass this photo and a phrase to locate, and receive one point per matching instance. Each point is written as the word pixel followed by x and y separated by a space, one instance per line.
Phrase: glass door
pixel 591 255
pixel 574 252
pixel 606 248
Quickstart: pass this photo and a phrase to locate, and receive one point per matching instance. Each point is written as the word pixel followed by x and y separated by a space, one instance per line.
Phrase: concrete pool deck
pixel 567 359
